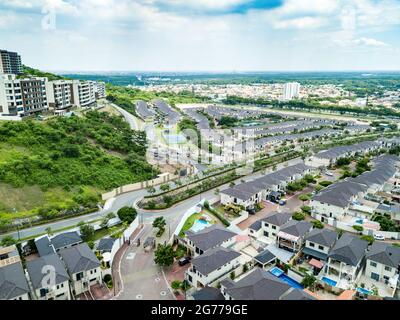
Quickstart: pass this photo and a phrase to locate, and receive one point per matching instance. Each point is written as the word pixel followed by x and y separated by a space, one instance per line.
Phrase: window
pixel 388 268
pixel 372 264
pixel 274 227
pixel 374 276
pixel 79 276
pixel 320 247
pixel 312 244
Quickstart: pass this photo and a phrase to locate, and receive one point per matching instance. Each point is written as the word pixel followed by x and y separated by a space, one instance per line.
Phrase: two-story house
pixel 213 265
pixel 208 238
pixel 48 278
pixel 271 224
pixel 13 283
pixel 383 264
pixel 318 243
pixel 291 235
pixel 83 267
pixel 345 261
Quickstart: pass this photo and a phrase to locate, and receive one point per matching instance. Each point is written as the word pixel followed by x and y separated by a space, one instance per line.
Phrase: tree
pixel 159 222
pixel 370 239
pixel 165 187
pixel 318 224
pixel 176 285
pixel 151 190
pixel 164 255
pixel 127 214
pixel 8 241
pixel 87 231
pixel 304 198
pixel 49 231
pixel 308 281
pixel 298 216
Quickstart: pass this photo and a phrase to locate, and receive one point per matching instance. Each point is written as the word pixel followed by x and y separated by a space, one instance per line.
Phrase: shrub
pixel 127 214
pixel 370 239
pixel 306 209
pixel 298 216
pixel 318 224
pixel 358 228
pixel 325 183
pixel 176 285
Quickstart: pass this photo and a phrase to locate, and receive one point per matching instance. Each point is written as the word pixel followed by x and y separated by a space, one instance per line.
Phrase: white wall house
pixel 212 266
pixel 83 267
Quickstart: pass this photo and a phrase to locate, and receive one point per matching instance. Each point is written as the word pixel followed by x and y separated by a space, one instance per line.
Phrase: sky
pixel 203 35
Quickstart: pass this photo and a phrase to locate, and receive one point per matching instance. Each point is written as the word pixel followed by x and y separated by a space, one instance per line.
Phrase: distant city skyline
pixel 221 36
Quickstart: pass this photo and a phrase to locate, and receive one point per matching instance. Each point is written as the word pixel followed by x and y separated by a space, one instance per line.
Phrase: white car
pixel 329 174
pixel 379 237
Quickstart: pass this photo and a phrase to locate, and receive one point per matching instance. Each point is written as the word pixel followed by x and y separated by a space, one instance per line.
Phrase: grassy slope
pixel 55 165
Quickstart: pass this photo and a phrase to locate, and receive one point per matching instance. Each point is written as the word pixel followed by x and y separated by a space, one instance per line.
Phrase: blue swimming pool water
pixel 329 281
pixel 360 221
pixel 277 272
pixel 364 291
pixel 199 225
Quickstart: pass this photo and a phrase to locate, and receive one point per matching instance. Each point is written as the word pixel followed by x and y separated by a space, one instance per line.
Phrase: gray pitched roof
pixel 384 253
pixel 212 259
pixel 12 281
pixel 349 249
pixel 38 269
pixel 265 257
pixel 278 218
pixel 210 237
pixel 324 237
pixel 44 246
pixel 79 258
pixel 257 285
pixel 296 228
pixel 105 244
pixel 256 225
pixel 297 294
pixel 66 239
pixel 208 293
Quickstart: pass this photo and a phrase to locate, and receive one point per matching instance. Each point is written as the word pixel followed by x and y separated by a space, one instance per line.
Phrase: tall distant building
pixel 291 90
pixel 100 90
pixel 10 62
pixel 83 93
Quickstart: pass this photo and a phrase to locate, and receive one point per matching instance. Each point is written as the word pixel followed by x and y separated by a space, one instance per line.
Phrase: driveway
pixel 141 278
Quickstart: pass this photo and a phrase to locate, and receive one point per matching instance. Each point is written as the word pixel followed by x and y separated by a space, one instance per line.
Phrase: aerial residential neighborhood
pixel 227 152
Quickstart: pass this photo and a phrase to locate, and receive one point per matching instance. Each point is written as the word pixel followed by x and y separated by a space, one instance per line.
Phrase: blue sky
pixel 203 35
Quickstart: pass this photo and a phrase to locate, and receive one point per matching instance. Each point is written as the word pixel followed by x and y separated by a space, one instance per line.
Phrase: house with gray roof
pixel 48 278
pixel 13 284
pixel 83 267
pixel 66 240
pixel 105 245
pixel 346 260
pixel 318 243
pixel 44 246
pixel 259 284
pixel 264 259
pixel 291 235
pixel 273 222
pixel 213 265
pixel 383 264
pixel 209 238
pixel 207 293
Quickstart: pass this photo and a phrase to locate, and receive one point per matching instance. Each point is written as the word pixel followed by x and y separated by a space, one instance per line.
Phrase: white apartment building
pixel 22 97
pixel 100 90
pixel 83 93
pixel 291 90
pixel 59 94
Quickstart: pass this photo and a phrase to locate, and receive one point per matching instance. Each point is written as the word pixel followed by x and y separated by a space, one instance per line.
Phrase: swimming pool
pixel 329 281
pixel 277 272
pixel 363 291
pixel 199 225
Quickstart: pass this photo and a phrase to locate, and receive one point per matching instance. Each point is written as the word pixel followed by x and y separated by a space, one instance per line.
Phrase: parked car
pixel 282 202
pixel 328 173
pixel 183 261
pixel 251 211
pixel 378 236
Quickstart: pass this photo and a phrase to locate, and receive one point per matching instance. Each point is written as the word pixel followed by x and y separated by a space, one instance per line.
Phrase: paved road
pixel 132 121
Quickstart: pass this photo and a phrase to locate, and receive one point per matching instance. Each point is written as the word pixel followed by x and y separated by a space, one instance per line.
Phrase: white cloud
pixel 370 42
pixel 299 23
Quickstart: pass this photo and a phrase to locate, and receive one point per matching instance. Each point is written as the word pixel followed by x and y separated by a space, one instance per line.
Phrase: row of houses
pixel 338 199
pixel 250 193
pixel 341 262
pixel 64 268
